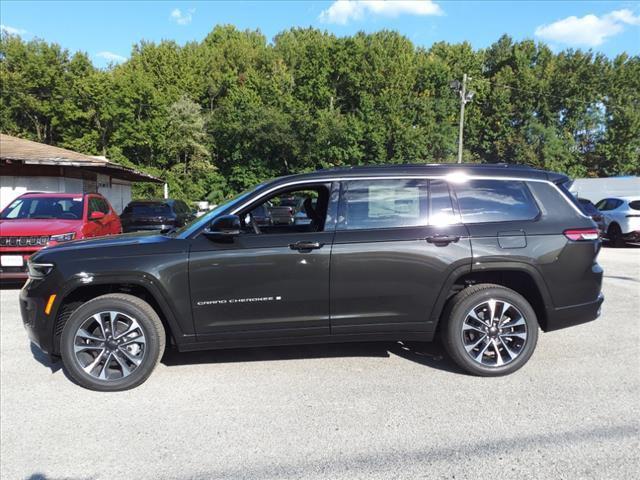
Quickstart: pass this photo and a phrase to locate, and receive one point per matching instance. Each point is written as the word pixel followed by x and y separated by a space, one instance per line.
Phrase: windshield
pixel 200 222
pixel 64 208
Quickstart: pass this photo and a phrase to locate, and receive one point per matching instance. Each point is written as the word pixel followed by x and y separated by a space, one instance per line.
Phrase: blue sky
pixel 107 30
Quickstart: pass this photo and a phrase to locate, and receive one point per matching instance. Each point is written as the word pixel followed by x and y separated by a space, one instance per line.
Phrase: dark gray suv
pixel 483 255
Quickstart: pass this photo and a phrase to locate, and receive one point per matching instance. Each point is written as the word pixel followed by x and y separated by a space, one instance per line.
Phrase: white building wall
pixel 595 189
pixel 118 193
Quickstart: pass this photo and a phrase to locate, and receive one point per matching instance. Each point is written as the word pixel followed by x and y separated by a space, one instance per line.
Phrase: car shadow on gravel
pixel 53 364
pixel 430 354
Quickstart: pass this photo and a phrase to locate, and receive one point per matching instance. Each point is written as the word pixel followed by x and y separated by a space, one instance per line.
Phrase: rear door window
pixel 634 205
pixel 370 204
pixel 483 201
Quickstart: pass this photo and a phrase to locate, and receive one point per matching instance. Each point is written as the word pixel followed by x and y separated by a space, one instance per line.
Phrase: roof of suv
pixel 438 169
pixel 56 195
pixel 165 201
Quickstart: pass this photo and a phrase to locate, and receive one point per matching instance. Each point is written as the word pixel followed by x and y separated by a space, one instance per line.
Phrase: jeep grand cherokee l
pixel 482 255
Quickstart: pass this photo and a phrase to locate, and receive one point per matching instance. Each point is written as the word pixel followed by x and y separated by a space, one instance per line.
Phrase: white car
pixel 621 219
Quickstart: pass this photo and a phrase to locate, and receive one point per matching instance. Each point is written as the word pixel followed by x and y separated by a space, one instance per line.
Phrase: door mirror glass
pixel 224 228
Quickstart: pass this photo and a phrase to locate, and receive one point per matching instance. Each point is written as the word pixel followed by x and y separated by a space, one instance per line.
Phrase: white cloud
pixel 182 18
pixel 589 30
pixel 112 57
pixel 12 30
pixel 342 11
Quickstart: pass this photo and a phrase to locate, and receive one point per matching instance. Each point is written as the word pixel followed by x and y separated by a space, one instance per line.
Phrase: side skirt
pixel 306 340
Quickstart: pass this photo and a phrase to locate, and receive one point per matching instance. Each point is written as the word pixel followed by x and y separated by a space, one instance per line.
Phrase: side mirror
pixel 224 228
pixel 96 216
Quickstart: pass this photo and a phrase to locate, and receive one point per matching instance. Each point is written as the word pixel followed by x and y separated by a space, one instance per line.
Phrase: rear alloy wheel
pixel 491 330
pixel 494 333
pixel 112 342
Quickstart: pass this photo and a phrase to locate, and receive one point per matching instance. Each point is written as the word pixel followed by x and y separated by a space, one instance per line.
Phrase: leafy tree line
pixel 217 116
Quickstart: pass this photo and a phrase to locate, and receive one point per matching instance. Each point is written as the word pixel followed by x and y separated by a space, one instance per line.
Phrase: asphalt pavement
pixel 352 411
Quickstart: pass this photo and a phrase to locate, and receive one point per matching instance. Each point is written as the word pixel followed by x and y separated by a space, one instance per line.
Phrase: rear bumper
pixel 574 315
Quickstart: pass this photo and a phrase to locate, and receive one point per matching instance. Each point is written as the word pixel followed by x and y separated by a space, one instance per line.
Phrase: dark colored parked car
pixel 165 214
pixel 262 216
pixel 595 214
pixel 484 255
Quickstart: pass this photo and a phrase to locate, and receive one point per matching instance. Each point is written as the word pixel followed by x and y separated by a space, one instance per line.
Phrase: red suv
pixel 35 220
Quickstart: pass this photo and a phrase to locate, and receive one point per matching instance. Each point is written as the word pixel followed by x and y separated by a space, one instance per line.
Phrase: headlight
pixel 39 270
pixel 63 237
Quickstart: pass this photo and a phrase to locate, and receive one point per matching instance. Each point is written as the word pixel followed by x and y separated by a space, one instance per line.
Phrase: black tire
pixel 614 234
pixel 149 323
pixel 456 313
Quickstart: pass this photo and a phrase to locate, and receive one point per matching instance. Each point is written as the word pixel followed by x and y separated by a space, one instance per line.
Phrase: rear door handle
pixel 439 239
pixel 305 245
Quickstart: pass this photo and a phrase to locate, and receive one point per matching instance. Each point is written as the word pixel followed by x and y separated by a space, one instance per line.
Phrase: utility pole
pixel 465 97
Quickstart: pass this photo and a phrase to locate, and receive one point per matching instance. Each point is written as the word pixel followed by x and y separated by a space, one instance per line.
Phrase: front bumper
pixel 574 315
pixel 11 273
pixel 38 325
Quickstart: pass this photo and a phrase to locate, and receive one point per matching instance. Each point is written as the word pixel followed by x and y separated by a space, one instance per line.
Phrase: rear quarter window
pixel 483 201
pixel 634 205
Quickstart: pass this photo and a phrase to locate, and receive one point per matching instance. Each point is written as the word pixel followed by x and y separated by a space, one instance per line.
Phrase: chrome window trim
pixel 447 177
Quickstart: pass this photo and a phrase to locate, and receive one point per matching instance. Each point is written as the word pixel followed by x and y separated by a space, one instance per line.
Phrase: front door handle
pixel 441 240
pixel 305 245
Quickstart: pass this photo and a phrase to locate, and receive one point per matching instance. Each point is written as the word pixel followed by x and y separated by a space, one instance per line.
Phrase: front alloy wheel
pixel 112 342
pixel 109 345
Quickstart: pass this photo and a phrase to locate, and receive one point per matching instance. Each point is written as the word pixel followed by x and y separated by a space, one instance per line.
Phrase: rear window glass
pixel 148 209
pixel 634 205
pixel 63 208
pixel 495 201
pixel 587 207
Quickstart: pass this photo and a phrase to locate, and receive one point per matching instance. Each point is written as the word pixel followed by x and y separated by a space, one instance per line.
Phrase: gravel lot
pixel 378 410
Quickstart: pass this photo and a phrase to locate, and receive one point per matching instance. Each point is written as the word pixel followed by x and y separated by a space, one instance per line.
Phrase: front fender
pixel 180 323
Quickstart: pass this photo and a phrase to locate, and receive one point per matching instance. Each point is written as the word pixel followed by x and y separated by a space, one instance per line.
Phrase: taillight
pixel 581 234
